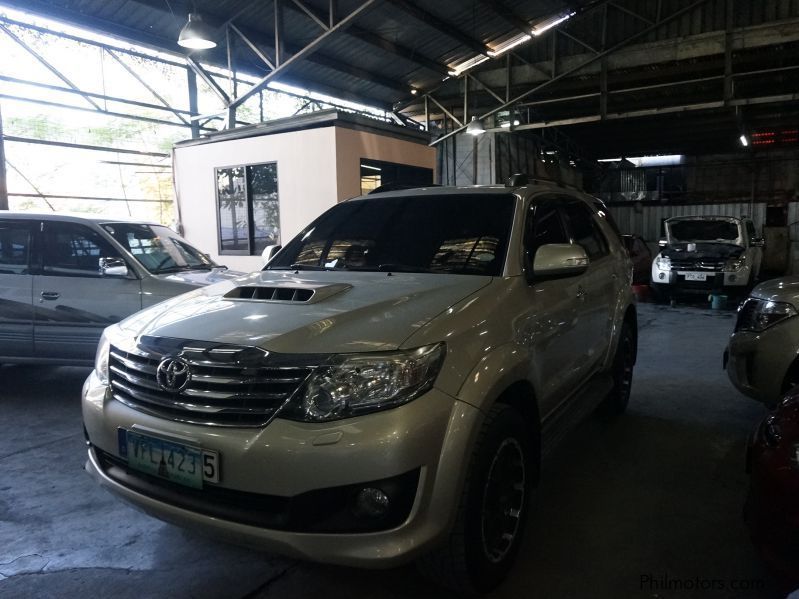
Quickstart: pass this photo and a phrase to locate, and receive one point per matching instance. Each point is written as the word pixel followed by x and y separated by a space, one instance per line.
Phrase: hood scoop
pixel 306 294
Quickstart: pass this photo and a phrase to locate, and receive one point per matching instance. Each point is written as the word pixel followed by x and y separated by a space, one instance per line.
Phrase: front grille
pixel 228 386
pixel 747 314
pixel 697 265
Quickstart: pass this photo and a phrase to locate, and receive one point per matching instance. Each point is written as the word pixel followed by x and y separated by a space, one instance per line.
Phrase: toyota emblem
pixel 173 374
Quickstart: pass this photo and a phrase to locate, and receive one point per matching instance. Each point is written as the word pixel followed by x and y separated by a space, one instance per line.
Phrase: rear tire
pixel 622 371
pixel 485 539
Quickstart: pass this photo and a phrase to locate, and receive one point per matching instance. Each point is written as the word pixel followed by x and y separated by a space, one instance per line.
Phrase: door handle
pixel 581 292
pixel 50 295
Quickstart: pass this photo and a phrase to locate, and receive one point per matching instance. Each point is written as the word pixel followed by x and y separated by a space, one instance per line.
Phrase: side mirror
pixel 269 252
pixel 662 243
pixel 113 267
pixel 559 259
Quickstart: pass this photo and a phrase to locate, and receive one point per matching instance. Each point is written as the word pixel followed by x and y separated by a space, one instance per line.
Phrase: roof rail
pixel 398 187
pixel 521 179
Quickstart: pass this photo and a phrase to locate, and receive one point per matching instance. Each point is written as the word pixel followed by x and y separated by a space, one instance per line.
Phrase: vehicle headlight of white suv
pixel 663 262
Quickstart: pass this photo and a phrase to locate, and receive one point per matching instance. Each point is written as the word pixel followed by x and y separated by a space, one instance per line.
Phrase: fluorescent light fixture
pixel 744 140
pixel 509 44
pixel 196 34
pixel 644 161
pixel 550 22
pixel 468 64
pixel 371 168
pixel 475 127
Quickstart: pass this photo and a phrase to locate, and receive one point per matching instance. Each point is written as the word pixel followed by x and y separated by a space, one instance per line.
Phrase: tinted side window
pixel 544 226
pixel 15 248
pixel 74 250
pixel 585 231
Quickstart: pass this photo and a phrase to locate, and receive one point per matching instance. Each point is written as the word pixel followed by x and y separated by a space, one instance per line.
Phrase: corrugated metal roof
pixel 397 44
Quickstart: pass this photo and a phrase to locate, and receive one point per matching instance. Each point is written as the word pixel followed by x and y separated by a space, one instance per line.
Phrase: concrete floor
pixel 628 508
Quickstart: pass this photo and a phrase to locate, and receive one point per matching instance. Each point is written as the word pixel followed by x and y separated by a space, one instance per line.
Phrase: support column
pixel 191 81
pixel 3 182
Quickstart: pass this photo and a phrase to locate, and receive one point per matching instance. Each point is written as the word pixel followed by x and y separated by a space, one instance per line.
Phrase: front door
pixel 73 300
pixel 16 288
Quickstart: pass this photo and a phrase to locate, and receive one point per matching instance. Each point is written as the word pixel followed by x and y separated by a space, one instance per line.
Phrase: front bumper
pixel 680 280
pixel 425 441
pixel 757 363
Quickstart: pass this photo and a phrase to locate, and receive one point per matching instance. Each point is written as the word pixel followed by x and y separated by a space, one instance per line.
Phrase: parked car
pixel 707 254
pixel 772 506
pixel 641 258
pixel 384 389
pixel 761 357
pixel 64 278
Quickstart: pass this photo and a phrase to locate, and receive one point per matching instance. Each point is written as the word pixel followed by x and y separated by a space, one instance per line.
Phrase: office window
pixel 248 208
pixel 376 173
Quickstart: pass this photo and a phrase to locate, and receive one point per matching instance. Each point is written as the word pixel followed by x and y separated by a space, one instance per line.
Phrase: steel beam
pixel 581 66
pixel 64 144
pixel 47 196
pixel 191 84
pixel 440 25
pixel 146 85
pixel 306 51
pixel 208 78
pixel 46 64
pixel 3 179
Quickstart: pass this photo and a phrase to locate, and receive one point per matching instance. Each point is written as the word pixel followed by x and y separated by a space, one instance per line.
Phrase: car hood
pixel 347 311
pixel 785 289
pixel 199 278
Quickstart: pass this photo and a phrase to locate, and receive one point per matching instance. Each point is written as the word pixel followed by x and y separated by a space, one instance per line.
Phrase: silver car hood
pixel 199 278
pixel 785 289
pixel 348 311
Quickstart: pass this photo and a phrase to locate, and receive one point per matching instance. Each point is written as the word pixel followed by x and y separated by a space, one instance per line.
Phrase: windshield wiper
pixel 395 267
pixel 301 267
pixel 185 267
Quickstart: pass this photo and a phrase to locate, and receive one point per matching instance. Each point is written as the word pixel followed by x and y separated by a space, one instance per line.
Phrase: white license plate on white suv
pixel 696 276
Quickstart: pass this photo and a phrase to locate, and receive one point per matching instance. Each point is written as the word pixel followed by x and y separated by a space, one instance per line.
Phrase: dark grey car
pixel 64 278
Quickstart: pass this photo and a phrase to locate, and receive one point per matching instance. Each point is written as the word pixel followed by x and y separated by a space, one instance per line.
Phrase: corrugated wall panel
pixel 646 221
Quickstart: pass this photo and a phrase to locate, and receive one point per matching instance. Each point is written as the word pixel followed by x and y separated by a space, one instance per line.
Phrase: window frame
pixel 250 251
pixel 32 227
pixel 86 231
pixel 593 219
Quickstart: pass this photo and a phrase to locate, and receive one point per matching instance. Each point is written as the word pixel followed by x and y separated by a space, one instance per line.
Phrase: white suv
pixel 384 389
pixel 64 278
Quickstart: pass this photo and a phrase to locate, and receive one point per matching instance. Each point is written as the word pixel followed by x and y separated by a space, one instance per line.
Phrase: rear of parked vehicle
pixel 384 390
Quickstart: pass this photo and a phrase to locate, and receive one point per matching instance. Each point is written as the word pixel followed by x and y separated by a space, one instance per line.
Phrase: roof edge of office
pixel 314 120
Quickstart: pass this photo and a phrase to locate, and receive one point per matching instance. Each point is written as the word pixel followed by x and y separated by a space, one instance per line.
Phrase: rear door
pixel 73 300
pixel 16 287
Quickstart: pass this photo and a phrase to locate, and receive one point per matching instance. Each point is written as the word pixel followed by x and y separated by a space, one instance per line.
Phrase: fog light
pixel 370 503
pixel 661 275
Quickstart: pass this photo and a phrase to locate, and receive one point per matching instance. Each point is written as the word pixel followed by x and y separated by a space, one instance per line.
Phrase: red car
pixel 772 507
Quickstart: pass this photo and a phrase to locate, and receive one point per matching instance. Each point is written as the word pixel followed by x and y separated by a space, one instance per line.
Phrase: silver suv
pixel 64 278
pixel 384 389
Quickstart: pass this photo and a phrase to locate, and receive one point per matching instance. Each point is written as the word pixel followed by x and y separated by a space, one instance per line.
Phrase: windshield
pixel 457 234
pixel 157 248
pixel 704 230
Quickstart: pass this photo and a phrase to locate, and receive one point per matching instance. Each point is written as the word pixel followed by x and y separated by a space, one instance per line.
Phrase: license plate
pixel 183 464
pixel 696 276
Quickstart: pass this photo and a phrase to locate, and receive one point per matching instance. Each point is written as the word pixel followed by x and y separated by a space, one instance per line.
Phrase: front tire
pixel 485 539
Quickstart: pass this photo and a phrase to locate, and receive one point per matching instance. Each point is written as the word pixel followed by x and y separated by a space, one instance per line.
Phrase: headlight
pixel 353 384
pixel 735 264
pixel 663 262
pixel 101 359
pixel 758 315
